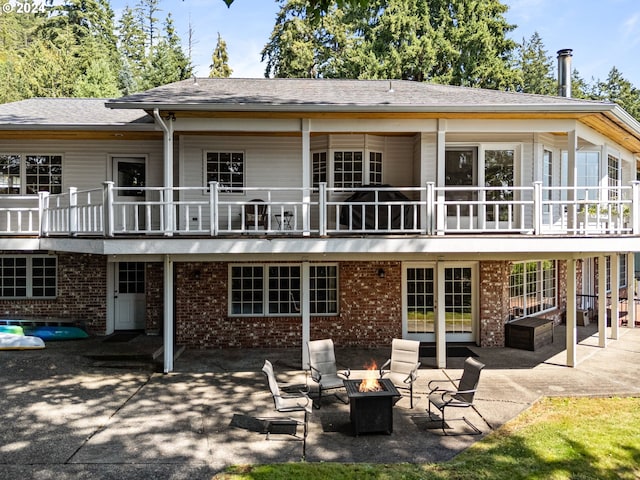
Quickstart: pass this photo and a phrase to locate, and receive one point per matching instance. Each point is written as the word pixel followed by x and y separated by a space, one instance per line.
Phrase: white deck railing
pixel 429 210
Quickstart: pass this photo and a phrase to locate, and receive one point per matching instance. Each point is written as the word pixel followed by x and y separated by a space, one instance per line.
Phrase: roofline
pixel 626 117
pixel 148 127
pixel 323 107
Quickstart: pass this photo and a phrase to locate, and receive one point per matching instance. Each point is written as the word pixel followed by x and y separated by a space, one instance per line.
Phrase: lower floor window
pixel 28 277
pixel 276 289
pixel 532 287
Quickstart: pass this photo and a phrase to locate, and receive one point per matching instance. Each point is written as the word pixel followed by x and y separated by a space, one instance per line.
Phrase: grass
pixel 556 439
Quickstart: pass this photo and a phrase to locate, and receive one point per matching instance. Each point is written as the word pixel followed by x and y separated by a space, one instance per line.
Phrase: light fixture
pixel 381 272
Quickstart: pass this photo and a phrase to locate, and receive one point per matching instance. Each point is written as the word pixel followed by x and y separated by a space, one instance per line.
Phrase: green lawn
pixel 559 438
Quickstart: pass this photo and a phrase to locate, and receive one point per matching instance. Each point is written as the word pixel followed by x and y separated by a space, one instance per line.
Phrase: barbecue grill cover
pixel 369 221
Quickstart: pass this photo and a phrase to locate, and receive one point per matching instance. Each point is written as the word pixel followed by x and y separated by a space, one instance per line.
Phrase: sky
pixel 602 33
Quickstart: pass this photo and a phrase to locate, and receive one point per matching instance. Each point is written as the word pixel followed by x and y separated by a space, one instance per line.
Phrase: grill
pixel 371 411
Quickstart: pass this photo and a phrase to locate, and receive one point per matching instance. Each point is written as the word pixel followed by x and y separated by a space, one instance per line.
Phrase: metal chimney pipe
pixel 564 72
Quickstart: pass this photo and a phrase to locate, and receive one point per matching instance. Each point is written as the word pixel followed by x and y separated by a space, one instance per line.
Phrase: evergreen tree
pixel 619 90
pixel 295 48
pixel 131 45
pixel 167 62
pixel 459 42
pixel 147 10
pixel 219 67
pixel 536 67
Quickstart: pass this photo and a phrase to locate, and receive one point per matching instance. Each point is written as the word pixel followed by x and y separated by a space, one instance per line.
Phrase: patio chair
pixel 256 215
pixel 403 365
pixel 324 370
pixel 288 399
pixel 461 397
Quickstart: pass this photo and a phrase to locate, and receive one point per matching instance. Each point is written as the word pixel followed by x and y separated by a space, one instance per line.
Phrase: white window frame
pixel 535 290
pixel 232 189
pixel 30 277
pixel 293 294
pixel 22 185
pixel 322 167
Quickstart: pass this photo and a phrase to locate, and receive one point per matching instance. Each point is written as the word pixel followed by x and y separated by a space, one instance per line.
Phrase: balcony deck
pixel 215 212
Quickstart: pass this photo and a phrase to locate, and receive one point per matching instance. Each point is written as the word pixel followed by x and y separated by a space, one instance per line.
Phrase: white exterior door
pixel 130 299
pixel 129 176
pixel 421 288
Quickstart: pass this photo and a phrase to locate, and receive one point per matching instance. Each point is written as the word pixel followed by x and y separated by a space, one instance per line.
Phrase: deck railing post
pixel 322 208
pixel 73 210
pixel 43 213
pixel 429 216
pixel 441 212
pixel 213 208
pixel 537 208
pixel 107 202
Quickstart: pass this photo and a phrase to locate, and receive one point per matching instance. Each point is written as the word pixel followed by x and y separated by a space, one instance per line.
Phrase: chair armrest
pixel 345 373
pixel 431 389
pixel 292 388
pixel 452 401
pixel 316 375
pixel 413 374
pixel 385 365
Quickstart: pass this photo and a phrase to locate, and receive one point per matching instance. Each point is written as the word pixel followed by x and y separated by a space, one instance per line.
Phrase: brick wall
pixel 154 290
pixel 82 287
pixel 370 306
pixel 370 310
pixel 494 302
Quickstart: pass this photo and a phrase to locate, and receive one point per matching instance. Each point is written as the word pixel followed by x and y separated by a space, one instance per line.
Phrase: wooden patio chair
pixel 403 365
pixel 256 215
pixel 461 397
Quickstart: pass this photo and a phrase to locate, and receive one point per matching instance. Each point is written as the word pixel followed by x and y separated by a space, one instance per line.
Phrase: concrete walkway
pixel 81 409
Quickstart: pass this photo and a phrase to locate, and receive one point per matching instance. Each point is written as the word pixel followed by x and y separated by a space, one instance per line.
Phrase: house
pixel 228 213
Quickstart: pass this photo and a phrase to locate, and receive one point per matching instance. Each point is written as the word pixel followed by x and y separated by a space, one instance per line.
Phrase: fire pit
pixel 372 410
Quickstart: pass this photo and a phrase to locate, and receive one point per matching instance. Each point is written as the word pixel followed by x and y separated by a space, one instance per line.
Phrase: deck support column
pixel 602 301
pixel 631 290
pixel 441 324
pixel 615 296
pixel 572 331
pixel 168 332
pixel 305 311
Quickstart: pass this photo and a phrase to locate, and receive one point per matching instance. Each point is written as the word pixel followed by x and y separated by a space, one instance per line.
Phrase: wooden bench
pixel 529 333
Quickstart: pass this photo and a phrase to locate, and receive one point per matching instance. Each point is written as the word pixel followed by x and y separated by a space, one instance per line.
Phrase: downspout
pixel 167 129
pixel 167 282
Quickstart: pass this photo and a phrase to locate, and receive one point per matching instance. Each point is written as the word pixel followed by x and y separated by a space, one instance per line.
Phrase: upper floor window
pixel 351 170
pixel 347 169
pixel 28 276
pixel 37 173
pixel 226 168
pixel 319 160
pixel 613 177
pixel 375 168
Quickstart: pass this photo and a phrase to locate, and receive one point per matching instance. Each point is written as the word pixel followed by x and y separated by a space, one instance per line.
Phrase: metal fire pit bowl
pixel 371 411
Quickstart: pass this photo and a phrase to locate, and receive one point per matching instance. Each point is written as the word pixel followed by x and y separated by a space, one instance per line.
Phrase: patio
pixel 68 414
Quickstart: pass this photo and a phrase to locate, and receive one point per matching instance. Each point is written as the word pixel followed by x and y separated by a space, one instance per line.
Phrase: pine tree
pixel 537 68
pixel 459 42
pixel 131 45
pixel 167 62
pixel 219 67
pixel 619 90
